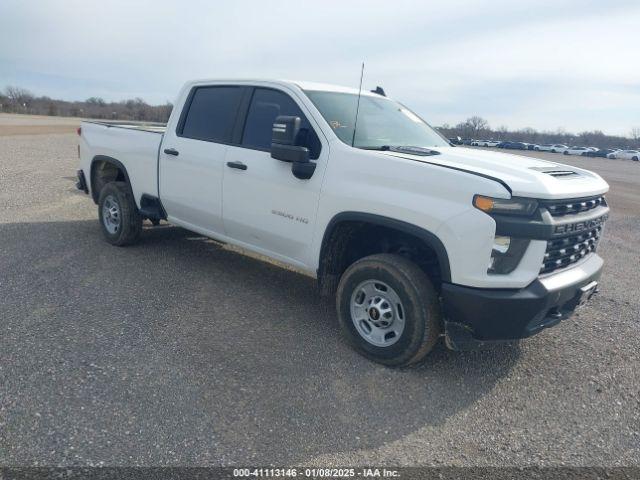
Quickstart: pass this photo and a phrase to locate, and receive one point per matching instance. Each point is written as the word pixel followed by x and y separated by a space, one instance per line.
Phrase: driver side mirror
pixel 283 146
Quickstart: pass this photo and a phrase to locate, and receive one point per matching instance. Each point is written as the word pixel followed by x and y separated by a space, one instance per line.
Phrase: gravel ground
pixel 11 124
pixel 177 351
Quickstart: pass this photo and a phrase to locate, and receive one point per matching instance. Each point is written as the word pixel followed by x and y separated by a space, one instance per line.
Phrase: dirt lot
pixel 35 125
pixel 179 352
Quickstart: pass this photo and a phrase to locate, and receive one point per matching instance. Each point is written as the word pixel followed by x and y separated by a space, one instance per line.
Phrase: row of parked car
pixel 621 153
pixel 590 151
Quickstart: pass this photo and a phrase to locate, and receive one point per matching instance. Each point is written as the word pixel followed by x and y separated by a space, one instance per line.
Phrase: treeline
pixel 478 128
pixel 20 100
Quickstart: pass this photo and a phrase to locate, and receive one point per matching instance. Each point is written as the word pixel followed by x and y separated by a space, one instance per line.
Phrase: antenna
pixel 355 123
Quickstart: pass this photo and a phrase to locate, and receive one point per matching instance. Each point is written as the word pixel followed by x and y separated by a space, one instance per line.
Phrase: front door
pixel 264 205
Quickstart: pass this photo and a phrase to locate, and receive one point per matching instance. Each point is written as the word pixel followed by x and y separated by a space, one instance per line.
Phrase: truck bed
pixel 137 144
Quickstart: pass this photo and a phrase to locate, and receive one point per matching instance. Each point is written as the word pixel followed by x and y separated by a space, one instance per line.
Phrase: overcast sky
pixel 545 64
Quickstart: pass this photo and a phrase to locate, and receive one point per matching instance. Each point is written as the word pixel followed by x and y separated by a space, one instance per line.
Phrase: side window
pixel 212 114
pixel 266 105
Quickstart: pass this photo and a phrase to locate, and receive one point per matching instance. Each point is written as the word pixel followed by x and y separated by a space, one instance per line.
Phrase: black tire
pixel 554 151
pixel 421 308
pixel 635 159
pixel 130 222
pixel 565 152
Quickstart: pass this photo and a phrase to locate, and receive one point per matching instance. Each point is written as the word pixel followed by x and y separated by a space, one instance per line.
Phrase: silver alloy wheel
pixel 377 313
pixel 111 214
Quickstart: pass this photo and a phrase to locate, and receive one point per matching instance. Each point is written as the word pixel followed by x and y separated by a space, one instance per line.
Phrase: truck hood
pixel 525 176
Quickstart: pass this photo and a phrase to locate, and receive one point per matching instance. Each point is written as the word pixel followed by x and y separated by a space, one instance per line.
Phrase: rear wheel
pixel 388 309
pixel 120 220
pixel 635 159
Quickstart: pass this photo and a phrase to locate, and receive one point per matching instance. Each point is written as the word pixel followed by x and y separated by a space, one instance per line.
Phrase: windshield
pixel 381 122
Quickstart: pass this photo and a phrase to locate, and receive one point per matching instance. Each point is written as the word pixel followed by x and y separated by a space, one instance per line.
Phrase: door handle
pixel 238 165
pixel 171 151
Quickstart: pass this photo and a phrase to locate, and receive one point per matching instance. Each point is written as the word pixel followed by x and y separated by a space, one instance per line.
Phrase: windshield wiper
pixel 404 149
pixel 381 148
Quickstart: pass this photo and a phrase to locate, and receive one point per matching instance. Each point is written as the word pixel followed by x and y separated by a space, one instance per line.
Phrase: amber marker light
pixel 483 203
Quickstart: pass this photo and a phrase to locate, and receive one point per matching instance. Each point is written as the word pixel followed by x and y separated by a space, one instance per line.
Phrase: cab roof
pixel 304 85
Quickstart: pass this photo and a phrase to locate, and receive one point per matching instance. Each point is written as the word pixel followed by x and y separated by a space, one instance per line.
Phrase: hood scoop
pixel 556 172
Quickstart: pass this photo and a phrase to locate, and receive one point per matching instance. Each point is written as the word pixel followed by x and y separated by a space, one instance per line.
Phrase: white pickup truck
pixel 417 239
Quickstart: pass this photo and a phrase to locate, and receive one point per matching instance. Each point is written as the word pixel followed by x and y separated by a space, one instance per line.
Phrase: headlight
pixel 511 206
pixel 506 254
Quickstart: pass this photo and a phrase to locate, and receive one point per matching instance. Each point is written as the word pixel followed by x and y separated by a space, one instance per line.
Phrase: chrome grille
pixel 568 207
pixel 562 252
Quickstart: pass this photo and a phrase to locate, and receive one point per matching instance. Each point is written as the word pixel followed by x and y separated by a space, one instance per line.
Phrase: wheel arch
pixel 337 235
pixel 100 162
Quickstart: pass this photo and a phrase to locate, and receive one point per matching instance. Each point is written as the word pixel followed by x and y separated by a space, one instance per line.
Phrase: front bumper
pixel 474 316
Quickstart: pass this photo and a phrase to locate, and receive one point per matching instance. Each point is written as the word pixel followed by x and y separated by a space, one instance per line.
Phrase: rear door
pixel 192 156
pixel 265 206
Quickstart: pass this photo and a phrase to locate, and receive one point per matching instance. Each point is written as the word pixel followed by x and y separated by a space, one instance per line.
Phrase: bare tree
pixel 635 133
pixel 502 132
pixel 477 125
pixel 96 101
pixel 18 96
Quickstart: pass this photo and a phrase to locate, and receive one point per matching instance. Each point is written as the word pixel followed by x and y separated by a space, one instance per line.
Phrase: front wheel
pixel 635 159
pixel 388 309
pixel 119 217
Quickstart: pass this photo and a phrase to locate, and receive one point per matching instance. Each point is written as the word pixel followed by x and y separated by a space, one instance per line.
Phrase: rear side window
pixel 212 114
pixel 266 105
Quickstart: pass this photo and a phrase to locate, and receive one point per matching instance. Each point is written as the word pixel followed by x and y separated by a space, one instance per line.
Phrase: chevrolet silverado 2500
pixel 416 238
